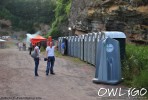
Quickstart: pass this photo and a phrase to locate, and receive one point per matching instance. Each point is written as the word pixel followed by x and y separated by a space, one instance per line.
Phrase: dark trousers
pixel 30 49
pixel 50 64
pixel 36 60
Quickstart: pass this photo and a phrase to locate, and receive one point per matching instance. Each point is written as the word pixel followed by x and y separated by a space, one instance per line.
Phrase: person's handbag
pixel 34 54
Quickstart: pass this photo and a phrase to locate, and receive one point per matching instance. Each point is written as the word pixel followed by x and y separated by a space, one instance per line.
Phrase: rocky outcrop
pixel 5 23
pixel 110 15
pixel 5 27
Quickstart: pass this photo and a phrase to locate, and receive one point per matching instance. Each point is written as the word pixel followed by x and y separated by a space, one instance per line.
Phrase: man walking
pixel 51 58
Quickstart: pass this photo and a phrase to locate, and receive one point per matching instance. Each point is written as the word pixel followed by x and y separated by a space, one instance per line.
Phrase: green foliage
pixel 24 13
pixel 58 54
pixel 141 80
pixel 61 16
pixel 4 13
pixel 27 14
pixel 4 33
pixel 135 65
pixel 67 10
pixel 54 32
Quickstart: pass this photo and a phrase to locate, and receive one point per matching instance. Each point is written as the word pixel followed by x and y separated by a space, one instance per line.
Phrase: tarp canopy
pixel 37 39
pixel 2 40
pixel 29 36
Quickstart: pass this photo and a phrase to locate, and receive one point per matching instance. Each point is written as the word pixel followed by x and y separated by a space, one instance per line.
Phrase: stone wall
pixel 109 15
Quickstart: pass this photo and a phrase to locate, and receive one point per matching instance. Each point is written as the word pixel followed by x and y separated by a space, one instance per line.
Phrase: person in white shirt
pixel 51 58
pixel 20 46
pixel 36 60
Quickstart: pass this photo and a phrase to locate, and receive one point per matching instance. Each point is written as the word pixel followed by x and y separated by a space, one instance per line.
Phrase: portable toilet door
pixel 85 46
pixel 99 37
pixel 69 45
pixel 59 44
pixel 94 47
pixel 72 46
pixel 89 48
pixel 75 46
pixel 66 45
pixel 108 66
pixel 82 47
pixel 79 47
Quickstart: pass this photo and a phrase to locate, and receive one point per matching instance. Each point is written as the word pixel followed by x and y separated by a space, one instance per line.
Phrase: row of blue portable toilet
pixel 84 47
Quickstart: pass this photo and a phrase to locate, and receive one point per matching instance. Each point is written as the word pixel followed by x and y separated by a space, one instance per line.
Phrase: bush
pixel 54 33
pixel 61 16
pixel 141 81
pixel 135 65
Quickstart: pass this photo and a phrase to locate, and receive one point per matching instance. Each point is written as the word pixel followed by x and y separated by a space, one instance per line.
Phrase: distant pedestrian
pixel 20 46
pixel 51 58
pixel 24 46
pixel 63 48
pixel 30 48
pixel 17 44
pixel 36 59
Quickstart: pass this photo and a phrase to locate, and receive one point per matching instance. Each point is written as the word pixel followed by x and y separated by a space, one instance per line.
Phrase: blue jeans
pixel 50 64
pixel 36 60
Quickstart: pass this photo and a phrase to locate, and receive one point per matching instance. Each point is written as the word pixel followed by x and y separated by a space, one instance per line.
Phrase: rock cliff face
pixel 5 27
pixel 128 16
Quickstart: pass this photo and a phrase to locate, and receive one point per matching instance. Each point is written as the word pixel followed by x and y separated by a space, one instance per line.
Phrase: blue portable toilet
pixel 108 64
pixel 89 48
pixel 59 44
pixel 79 47
pixel 82 46
pixel 75 46
pixel 72 46
pixel 94 47
pixel 85 47
pixel 65 40
pixel 69 45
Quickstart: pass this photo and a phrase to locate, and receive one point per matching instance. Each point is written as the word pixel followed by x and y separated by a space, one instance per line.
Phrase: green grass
pixel 58 54
pixel 73 59
pixel 135 66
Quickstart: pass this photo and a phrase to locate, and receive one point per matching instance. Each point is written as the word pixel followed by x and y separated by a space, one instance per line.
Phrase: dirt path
pixel 71 82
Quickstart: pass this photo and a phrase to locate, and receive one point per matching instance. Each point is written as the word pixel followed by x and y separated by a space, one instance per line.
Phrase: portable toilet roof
pixel 114 34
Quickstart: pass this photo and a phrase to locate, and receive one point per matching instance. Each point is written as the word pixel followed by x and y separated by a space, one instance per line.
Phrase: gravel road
pixel 73 79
